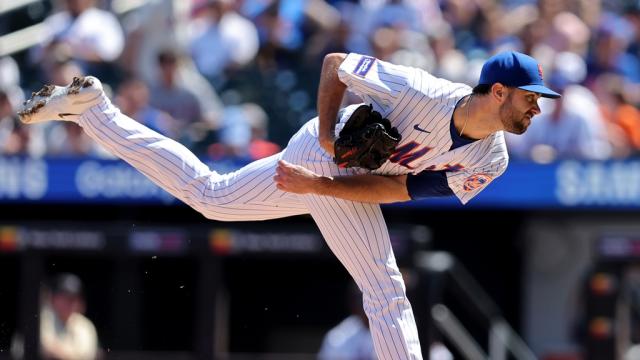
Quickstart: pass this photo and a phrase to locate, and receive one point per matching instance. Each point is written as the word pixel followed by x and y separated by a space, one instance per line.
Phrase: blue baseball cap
pixel 517 70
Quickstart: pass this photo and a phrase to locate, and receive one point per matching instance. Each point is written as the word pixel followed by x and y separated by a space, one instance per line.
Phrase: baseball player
pixel 451 143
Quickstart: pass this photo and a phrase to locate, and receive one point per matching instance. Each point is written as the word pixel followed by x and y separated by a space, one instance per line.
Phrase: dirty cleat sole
pixel 62 102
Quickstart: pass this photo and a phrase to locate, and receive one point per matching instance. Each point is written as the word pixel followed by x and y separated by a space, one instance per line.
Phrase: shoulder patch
pixel 476 181
pixel 364 65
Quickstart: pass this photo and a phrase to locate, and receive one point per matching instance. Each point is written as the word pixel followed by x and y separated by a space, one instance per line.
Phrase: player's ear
pixel 499 92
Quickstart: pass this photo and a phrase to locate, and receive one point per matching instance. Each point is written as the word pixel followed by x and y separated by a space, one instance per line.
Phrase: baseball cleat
pixel 62 102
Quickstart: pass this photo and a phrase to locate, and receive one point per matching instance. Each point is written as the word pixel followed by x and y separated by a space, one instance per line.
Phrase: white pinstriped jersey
pixel 421 107
pixel 355 232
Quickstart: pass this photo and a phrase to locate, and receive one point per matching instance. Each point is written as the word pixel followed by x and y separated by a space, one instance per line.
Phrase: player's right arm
pixel 367 188
pixel 330 93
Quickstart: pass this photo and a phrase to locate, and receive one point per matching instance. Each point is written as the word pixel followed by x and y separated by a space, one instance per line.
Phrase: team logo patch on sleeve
pixel 475 182
pixel 364 65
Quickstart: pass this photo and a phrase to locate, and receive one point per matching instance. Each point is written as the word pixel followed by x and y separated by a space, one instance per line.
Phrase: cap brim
pixel 542 90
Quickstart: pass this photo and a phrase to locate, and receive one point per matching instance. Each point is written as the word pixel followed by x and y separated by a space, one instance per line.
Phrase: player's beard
pixel 513 121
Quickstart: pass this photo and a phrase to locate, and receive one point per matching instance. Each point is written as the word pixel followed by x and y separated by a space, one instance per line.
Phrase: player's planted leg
pixel 357 234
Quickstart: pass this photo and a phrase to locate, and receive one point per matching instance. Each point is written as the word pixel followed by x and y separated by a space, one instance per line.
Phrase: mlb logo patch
pixel 475 182
pixel 364 65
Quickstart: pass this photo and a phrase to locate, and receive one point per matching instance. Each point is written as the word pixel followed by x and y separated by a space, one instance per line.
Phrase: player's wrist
pixel 327 142
pixel 324 185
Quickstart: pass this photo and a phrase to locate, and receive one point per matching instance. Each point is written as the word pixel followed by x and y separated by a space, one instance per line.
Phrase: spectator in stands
pixel 617 98
pixel 186 96
pixel 243 134
pixel 221 39
pixel 397 14
pixel 445 59
pixel 333 35
pixel 280 26
pixel 172 97
pixel 259 145
pixel 62 70
pixel 632 15
pixel 282 22
pixel 68 140
pixel 153 27
pixel 570 33
pixel 609 51
pixel 14 138
pixel 148 28
pixel 533 33
pixel 91 36
pixel 132 98
pixel 351 338
pixel 401 46
pixel 65 333
pixel 429 12
pixel 466 19
pixel 9 72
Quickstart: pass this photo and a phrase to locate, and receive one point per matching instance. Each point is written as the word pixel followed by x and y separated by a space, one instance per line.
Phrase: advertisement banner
pixel 563 185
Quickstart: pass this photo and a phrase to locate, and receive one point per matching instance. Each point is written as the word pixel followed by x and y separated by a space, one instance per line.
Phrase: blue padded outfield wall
pixel 563 185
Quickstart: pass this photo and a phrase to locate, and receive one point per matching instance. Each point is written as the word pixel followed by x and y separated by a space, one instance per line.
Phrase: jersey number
pixel 407 153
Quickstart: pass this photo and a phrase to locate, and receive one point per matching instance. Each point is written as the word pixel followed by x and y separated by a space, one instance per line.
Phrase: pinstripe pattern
pixel 411 97
pixel 246 194
pixel 357 234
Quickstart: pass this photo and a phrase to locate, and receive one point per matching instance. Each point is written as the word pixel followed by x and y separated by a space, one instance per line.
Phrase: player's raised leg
pixel 247 194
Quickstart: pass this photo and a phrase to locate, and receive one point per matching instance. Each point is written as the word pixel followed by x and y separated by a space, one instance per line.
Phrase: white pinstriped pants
pixel 355 232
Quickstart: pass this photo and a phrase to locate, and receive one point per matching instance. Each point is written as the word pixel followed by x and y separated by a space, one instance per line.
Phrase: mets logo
pixel 540 72
pixel 475 182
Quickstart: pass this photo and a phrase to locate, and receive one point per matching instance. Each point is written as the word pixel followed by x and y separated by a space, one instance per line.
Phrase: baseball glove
pixel 367 140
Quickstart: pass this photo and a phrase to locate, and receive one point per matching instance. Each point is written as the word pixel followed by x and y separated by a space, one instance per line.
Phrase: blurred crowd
pixel 238 77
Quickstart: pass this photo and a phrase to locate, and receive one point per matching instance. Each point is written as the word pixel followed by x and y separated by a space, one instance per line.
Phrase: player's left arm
pixel 330 93
pixel 377 82
pixel 368 188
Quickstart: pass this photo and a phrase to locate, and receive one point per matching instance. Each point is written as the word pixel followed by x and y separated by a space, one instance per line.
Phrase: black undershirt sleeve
pixel 428 184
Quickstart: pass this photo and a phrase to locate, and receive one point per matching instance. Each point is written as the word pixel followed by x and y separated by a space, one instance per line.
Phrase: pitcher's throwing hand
pixel 295 178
